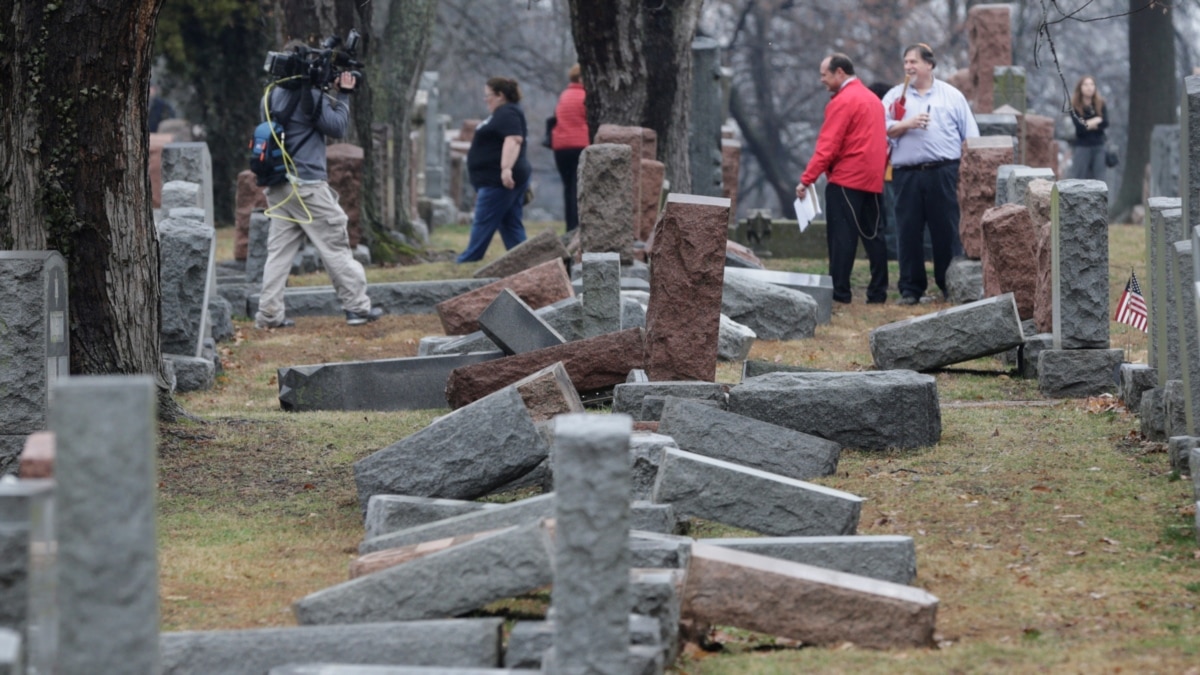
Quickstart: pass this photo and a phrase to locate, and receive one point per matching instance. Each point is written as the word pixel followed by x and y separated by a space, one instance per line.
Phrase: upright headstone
pixel 1189 156
pixel 1002 173
pixel 704 139
pixel 631 136
pixel 256 246
pixel 606 208
pixel 601 293
pixel 1172 275
pixel 34 344
pixel 27 569
pixel 1187 336
pixel 1008 87
pixel 1079 221
pixel 1165 145
pixel 1160 233
pixel 104 518
pixel 191 162
pixel 187 253
pixel 435 140
pixel 684 313
pixel 989 40
pixel 981 158
pixel 591 598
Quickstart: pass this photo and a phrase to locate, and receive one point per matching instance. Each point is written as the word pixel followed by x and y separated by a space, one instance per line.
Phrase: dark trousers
pixel 927 198
pixel 567 162
pixel 852 215
pixel 496 209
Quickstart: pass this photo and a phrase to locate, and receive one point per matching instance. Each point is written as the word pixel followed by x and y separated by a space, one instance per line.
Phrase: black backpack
pixel 268 159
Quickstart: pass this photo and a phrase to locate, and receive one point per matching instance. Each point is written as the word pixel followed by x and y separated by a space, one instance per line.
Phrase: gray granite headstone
pixel 487 517
pixel 1002 173
pixel 1021 177
pixel 888 557
pixel 104 466
pixel 590 598
pixel 256 250
pixel 1174 416
pixel 1165 149
pixel 1189 152
pixel 462 455
pixel 601 293
pixel 605 199
pixel 27 569
pixel 773 312
pixel 34 344
pixel 1152 414
pixel 1136 379
pixel 1187 336
pixel 402 297
pixel 817 286
pixel 390 513
pixel 872 410
pixel 1160 233
pixel 1077 373
pixel 964 281
pixel 187 252
pixel 514 327
pixel 1079 232
pixel 448 643
pixel 949 336
pixel 191 162
pixel 706 118
pixel 1171 277
pixel 181 194
pixel 628 397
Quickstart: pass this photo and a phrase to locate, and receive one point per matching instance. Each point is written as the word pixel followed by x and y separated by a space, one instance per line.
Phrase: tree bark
pixel 1152 93
pixel 74 80
pixel 636 60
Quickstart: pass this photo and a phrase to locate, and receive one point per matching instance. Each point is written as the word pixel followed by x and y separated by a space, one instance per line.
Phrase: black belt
pixel 926 165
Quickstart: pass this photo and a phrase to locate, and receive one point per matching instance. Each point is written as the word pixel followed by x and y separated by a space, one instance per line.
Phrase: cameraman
pixel 308 206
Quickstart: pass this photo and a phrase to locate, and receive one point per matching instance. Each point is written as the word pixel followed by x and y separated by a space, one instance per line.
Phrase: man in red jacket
pixel 852 150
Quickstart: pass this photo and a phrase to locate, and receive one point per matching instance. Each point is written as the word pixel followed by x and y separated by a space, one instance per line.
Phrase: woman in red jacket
pixel 568 139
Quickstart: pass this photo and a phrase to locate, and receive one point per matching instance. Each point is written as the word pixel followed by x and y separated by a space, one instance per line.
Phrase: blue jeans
pixel 496 208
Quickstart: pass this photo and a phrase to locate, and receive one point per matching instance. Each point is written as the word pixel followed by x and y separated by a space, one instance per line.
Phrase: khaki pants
pixel 327 231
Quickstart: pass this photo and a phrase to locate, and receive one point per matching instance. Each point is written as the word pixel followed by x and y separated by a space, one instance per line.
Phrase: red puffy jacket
pixel 852 145
pixel 571 130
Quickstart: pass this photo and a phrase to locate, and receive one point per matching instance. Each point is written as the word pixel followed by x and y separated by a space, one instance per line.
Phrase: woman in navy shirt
pixel 1091 119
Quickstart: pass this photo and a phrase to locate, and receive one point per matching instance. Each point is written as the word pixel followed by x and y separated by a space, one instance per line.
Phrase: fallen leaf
pixel 1076 554
pixel 995 432
pixel 1041 488
pixel 1106 540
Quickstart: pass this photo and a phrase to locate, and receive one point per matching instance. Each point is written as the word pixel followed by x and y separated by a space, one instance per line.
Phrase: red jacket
pixel 852 145
pixel 571 130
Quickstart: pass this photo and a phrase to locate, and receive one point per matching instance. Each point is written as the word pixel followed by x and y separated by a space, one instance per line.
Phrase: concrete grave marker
pixel 514 327
pixel 1079 221
pixel 948 336
pixel 540 248
pixel 187 256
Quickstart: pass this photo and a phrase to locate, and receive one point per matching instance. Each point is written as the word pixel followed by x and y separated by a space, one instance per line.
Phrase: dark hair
pixel 506 87
pixel 839 60
pixel 574 74
pixel 1077 97
pixel 923 50
pixel 880 89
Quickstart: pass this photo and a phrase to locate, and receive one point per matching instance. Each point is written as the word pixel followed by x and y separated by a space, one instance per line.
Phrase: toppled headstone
pixel 734 340
pixel 492 517
pixel 549 392
pixel 514 327
pixel 538 249
pixel 593 364
pixel 537 286
pixel 447 583
pixel 447 643
pixel 867 410
pixel 463 455
pixel 752 499
pixel 413 383
pixel 817 286
pixel 628 396
pixel 645 451
pixel 1078 373
pixel 390 513
pixel 684 314
pixel 949 336
pixel 404 297
pixel 805 603
pixel 773 312
pixel 746 441
pixel 890 558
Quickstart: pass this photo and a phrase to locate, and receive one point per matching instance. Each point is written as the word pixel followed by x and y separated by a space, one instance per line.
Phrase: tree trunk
pixel 1152 94
pixel 74 79
pixel 636 58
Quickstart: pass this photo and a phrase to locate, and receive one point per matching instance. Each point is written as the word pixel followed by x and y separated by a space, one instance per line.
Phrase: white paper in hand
pixel 807 208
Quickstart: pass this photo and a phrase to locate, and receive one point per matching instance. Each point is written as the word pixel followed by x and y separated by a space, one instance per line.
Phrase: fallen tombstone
pixel 529 640
pixel 746 441
pixel 628 396
pixel 537 286
pixel 819 287
pixel 659 549
pixel 647 516
pixel 412 383
pixel 564 316
pixel 1078 373
pixel 451 642
pixel 1135 379
pixel 891 558
pixel 447 583
pixel 548 393
pixel 873 410
pixel 514 327
pixel 656 594
pixel 390 513
pixel 646 450
pixel 805 603
pixel 734 340
pixel 752 499
pixel 772 312
pixel 950 336
pixel 754 368
pixel 540 248
pixel 372 562
pixel 462 455
pixel 601 282
pixel 593 364
pixel 408 297
pixel 496 516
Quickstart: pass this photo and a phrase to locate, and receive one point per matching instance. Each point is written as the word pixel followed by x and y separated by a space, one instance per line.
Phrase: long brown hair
pixel 1077 97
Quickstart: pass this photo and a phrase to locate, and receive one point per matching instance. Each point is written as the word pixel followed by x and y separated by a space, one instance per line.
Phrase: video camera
pixel 319 66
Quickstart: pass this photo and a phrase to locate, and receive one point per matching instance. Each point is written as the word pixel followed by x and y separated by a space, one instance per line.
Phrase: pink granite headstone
pixel 989 39
pixel 981 157
pixel 538 286
pixel 683 316
pixel 1037 200
pixel 249 197
pixel 1009 258
pixel 652 175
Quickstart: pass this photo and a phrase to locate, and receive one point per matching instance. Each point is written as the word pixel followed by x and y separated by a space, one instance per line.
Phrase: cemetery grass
pixel 1053 536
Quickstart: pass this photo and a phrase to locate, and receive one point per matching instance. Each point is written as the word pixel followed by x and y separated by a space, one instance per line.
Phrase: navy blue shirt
pixel 483 159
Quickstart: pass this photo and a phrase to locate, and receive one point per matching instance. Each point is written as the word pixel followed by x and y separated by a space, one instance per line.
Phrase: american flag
pixel 1131 309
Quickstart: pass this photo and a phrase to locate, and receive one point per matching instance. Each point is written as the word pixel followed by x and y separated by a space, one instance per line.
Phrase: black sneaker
pixel 359 318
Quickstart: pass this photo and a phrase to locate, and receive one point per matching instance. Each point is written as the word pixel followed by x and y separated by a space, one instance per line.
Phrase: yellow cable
pixel 289 165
